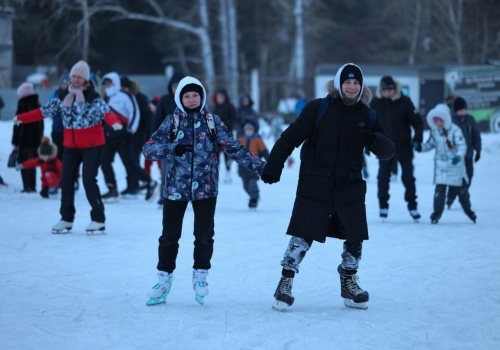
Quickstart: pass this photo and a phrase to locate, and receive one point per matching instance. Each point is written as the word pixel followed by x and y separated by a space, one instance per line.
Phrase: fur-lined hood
pixel 397 94
pixel 366 95
pixel 441 111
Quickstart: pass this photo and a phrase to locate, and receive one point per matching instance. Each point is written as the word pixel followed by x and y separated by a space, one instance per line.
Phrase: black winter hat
pixel 125 82
pixel 192 87
pixel 387 83
pixel 351 72
pixel 459 104
pixel 46 148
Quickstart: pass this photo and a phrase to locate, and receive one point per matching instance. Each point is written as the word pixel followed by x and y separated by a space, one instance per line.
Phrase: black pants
pixel 122 146
pixel 138 141
pixel 173 215
pixel 440 195
pixel 384 178
pixel 91 159
pixel 57 139
pixel 453 191
pixel 28 175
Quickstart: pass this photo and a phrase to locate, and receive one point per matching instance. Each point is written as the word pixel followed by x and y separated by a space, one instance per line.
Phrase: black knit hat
pixel 192 87
pixel 46 148
pixel 125 82
pixel 387 83
pixel 351 72
pixel 459 104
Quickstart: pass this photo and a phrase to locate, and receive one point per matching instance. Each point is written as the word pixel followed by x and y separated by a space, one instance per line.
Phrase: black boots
pixel 353 295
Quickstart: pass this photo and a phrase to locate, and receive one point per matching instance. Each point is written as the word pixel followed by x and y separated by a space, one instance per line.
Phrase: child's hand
pixel 455 160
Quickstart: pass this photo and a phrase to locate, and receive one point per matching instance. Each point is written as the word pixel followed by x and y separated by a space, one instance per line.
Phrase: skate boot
pixel 95 227
pixel 152 190
pixel 415 215
pixel 62 227
pixel 283 294
pixel 200 285
pixel 384 212
pixel 471 215
pixel 353 295
pixel 53 194
pixel 435 218
pixel 160 290
pixel 111 196
pixel 252 204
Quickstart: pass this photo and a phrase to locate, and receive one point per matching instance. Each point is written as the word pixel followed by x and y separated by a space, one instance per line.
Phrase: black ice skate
pixel 111 196
pixel 384 212
pixel 353 295
pixel 252 204
pixel 152 190
pixel 283 294
pixel 471 215
pixel 435 218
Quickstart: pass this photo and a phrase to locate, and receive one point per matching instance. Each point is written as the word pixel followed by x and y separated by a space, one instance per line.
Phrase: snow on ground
pixel 431 286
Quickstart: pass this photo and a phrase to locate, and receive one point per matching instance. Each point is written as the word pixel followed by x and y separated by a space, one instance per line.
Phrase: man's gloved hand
pixel 417 146
pixel 181 149
pixel 117 126
pixel 477 157
pixel 268 179
pixel 455 160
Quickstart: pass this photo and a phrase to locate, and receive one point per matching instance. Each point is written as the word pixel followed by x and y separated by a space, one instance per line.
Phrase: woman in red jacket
pixel 83 111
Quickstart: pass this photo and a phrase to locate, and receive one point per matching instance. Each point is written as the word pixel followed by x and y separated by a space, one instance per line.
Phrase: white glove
pixel 117 126
pixel 16 121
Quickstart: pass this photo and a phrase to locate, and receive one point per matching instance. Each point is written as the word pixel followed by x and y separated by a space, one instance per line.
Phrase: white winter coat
pixel 123 103
pixel 445 173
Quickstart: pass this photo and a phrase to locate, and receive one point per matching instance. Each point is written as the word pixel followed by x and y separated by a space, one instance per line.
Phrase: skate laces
pixel 200 278
pixel 285 285
pixel 352 286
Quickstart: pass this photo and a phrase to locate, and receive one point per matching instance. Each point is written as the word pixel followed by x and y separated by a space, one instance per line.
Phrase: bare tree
pixel 416 31
pixel 453 11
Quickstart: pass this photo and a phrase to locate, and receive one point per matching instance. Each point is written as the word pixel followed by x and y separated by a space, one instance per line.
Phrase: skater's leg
pixel 469 167
pixel 108 155
pixel 294 253
pixel 91 162
pixel 409 183
pixel 383 179
pixel 351 255
pixel 173 214
pixel 439 199
pixel 71 161
pixel 246 182
pixel 204 213
pixel 451 195
pixel 253 189
pixel 464 197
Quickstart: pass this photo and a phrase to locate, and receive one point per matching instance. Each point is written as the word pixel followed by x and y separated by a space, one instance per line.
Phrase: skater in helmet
pixel 449 166
pixel 188 141
pixel 330 199
pixel 83 112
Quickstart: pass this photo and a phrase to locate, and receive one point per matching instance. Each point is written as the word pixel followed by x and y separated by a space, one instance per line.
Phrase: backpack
pixel 323 107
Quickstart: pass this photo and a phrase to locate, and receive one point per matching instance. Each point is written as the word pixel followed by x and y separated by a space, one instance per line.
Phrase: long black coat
pixel 28 135
pixel 330 197
pixel 398 115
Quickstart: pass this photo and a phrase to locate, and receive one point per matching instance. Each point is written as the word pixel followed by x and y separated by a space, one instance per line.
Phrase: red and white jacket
pixel 51 170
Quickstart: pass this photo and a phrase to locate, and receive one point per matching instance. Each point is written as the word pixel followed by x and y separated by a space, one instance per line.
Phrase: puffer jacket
pixel 194 175
pixel 445 173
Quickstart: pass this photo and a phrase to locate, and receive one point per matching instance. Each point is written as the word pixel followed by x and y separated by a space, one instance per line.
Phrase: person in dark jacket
pixel 472 137
pixel 57 124
pixel 187 142
pixel 330 200
pixel 246 113
pixel 227 113
pixel 27 138
pixel 398 116
pixel 164 107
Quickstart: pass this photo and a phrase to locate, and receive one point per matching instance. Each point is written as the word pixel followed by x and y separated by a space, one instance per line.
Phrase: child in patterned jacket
pixel 188 141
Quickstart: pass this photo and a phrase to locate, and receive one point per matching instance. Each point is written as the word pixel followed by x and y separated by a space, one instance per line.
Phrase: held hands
pixel 455 160
pixel 181 149
pixel 477 157
pixel 417 146
pixel 117 126
pixel 19 166
pixel 268 179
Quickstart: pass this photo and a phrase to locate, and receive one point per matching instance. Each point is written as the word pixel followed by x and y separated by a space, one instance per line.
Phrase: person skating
pixel 449 166
pixel 50 165
pixel 26 138
pixel 398 117
pixel 254 143
pixel 187 142
pixel 83 112
pixel 472 136
pixel 246 113
pixel 330 200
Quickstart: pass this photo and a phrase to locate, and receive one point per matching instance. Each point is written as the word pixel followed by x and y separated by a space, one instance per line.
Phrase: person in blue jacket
pixel 188 141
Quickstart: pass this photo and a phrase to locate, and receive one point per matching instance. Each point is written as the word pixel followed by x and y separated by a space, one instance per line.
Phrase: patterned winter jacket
pixel 445 172
pixel 82 122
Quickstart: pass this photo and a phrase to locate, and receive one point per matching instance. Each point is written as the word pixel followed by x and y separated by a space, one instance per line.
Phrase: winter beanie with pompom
pixel 46 148
pixel 81 69
pixel 25 89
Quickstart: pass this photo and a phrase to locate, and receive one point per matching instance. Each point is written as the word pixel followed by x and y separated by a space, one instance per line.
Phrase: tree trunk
pixel 416 31
pixel 233 51
pixel 86 30
pixel 224 42
pixel 206 48
pixel 299 46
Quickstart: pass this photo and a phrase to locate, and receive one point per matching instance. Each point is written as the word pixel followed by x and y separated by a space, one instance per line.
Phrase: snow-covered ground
pixel 431 286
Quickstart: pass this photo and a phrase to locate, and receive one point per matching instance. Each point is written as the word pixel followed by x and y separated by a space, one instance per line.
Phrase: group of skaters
pixel 330 195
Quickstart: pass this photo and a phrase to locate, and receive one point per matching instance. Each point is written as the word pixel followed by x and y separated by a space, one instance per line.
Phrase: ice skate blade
pixel 200 299
pixel 110 200
pixel 59 232
pixel 155 301
pixel 280 306
pixel 350 303
pixel 96 232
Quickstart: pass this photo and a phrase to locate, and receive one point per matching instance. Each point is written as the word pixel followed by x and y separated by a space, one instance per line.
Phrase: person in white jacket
pixel 449 167
pixel 125 106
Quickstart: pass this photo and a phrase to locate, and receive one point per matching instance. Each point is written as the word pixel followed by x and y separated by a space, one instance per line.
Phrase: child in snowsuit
pixel 188 142
pixel 449 166
pixel 50 165
pixel 254 143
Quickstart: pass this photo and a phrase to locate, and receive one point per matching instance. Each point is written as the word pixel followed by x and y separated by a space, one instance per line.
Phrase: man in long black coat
pixel 398 116
pixel 330 198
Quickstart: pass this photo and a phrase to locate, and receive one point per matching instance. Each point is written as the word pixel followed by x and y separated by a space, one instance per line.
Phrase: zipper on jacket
pixel 192 159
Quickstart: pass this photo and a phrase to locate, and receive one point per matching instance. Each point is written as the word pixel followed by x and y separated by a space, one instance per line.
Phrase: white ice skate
pixel 95 227
pixel 62 227
pixel 415 215
pixel 200 285
pixel 159 292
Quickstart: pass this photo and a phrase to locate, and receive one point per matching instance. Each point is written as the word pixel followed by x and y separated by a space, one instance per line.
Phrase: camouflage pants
pixel 298 247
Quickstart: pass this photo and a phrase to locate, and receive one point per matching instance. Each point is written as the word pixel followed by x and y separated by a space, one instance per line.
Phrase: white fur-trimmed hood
pixel 365 96
pixel 185 81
